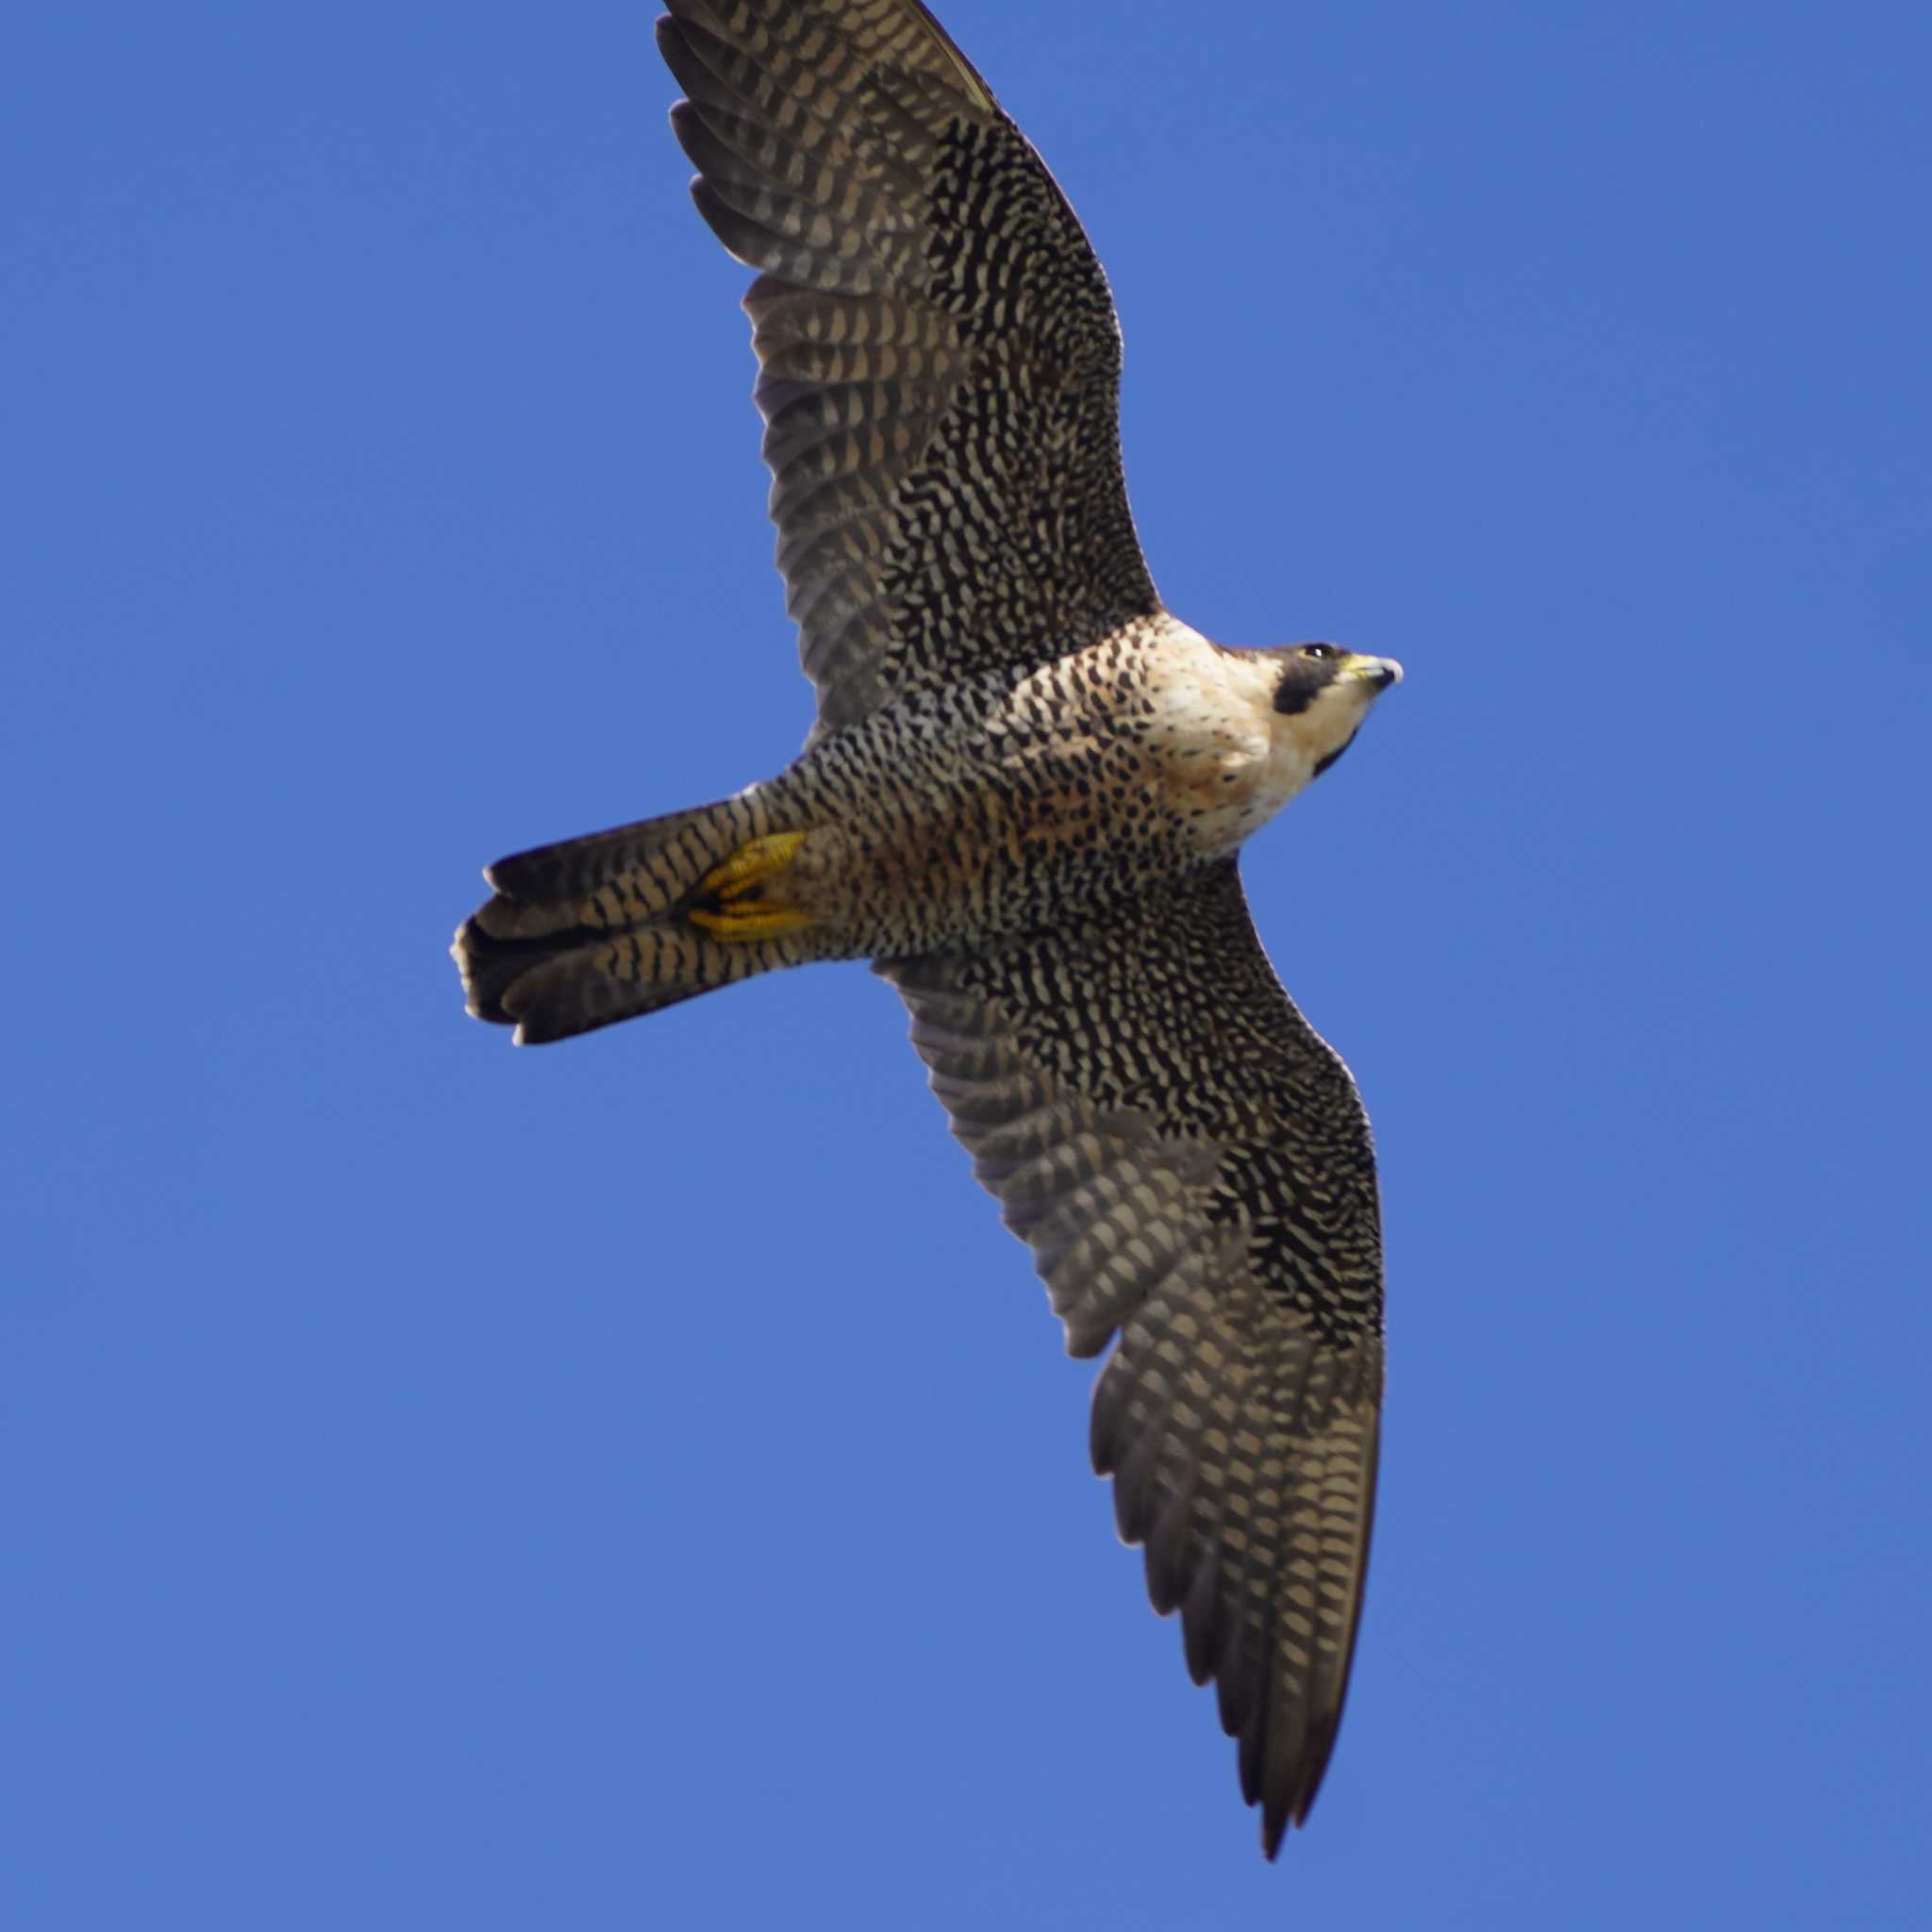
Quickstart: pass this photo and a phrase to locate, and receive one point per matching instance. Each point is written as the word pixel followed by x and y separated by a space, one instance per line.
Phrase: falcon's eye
pixel 1307 671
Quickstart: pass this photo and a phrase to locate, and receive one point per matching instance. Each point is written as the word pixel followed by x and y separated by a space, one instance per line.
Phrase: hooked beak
pixel 1377 673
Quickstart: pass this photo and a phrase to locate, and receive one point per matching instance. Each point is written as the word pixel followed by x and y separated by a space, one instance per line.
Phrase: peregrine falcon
pixel 1023 800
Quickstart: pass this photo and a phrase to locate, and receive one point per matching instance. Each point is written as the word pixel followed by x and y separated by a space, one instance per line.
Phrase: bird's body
pixel 1023 799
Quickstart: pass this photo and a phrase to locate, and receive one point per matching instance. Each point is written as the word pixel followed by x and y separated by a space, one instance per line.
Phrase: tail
pixel 599 929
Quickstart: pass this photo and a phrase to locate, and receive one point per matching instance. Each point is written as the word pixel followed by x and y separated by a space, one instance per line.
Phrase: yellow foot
pixel 733 898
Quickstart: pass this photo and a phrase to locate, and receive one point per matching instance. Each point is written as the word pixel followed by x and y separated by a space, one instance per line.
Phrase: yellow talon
pixel 752 863
pixel 753 922
pixel 731 914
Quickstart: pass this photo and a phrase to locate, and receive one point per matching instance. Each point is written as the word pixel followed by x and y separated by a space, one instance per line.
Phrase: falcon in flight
pixel 1023 798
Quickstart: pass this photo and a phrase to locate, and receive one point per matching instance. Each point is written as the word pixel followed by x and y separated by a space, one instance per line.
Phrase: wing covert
pixel 1191 1166
pixel 939 356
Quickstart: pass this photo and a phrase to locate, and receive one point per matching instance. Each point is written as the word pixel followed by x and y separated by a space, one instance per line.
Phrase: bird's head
pixel 1321 697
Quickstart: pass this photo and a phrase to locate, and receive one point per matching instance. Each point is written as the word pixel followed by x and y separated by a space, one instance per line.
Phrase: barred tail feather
pixel 593 930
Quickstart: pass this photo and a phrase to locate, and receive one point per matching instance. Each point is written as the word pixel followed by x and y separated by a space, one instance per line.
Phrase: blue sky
pixel 638 1482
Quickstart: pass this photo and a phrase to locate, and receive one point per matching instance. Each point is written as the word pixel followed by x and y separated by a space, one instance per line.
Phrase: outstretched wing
pixel 940 362
pixel 1193 1168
